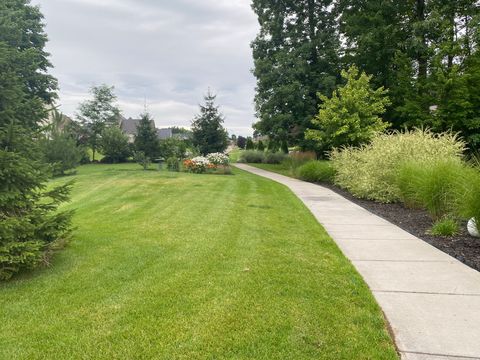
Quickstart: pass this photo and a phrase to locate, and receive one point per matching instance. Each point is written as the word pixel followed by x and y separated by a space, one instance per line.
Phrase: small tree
pixel 260 146
pixel 142 159
pixel 250 145
pixel 114 145
pixel 146 140
pixel 352 115
pixel 30 222
pixel 62 152
pixel 241 142
pixel 98 113
pixel 208 132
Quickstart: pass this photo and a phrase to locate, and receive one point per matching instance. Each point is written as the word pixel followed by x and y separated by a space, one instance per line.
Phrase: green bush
pixel 253 157
pixel 445 227
pixel 370 171
pixel 173 164
pixel 433 186
pixel 114 145
pixel 297 158
pixel 316 171
pixel 62 153
pixel 468 204
pixel 142 159
pixel 274 157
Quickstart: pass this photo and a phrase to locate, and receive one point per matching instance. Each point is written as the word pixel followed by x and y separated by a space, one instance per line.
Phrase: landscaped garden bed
pixel 418 180
pixel 461 246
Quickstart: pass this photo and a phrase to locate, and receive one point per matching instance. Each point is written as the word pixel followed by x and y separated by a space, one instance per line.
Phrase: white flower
pixel 218 158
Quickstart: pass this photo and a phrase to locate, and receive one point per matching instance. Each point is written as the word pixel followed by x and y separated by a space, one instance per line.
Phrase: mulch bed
pixel 417 222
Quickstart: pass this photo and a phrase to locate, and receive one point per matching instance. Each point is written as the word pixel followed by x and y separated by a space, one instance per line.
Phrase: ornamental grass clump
pixel 252 157
pixel 316 171
pixel 433 186
pixel 370 171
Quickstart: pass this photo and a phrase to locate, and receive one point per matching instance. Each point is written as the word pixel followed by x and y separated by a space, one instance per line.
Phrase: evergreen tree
pixel 250 145
pixel 29 220
pixel 295 56
pixel 260 146
pixel 241 142
pixel 209 135
pixel 99 113
pixel 146 140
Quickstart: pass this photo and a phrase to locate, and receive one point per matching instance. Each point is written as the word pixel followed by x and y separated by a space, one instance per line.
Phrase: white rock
pixel 472 228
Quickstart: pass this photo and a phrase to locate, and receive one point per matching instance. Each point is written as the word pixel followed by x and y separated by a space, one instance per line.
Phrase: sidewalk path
pixel 431 300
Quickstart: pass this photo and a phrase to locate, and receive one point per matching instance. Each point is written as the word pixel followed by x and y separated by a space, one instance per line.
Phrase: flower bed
pixel 210 163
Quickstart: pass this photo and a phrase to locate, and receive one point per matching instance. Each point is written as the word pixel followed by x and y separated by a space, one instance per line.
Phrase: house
pixel 129 128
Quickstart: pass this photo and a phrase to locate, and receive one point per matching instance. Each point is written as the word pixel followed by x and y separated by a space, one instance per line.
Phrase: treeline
pixel 424 52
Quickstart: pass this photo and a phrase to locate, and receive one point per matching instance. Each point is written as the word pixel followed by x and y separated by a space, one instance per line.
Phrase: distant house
pixel 164 134
pixel 129 128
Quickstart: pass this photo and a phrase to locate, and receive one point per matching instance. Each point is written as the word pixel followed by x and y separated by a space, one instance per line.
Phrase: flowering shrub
pixel 218 159
pixel 197 165
pixel 201 164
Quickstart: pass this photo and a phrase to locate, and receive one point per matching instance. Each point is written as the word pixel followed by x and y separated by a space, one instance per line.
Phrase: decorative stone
pixel 472 228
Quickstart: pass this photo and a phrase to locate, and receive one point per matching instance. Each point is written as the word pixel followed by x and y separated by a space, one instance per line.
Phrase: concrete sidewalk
pixel 431 300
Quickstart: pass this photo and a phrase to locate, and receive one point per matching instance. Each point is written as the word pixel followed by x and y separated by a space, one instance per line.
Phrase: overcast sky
pixel 169 51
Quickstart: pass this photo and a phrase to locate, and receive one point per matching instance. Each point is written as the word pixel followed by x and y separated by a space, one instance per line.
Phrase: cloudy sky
pixel 169 51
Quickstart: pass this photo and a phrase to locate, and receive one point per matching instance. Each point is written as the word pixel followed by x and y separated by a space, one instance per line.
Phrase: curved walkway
pixel 431 300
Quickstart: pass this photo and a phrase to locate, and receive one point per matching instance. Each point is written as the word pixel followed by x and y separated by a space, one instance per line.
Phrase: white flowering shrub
pixel 218 159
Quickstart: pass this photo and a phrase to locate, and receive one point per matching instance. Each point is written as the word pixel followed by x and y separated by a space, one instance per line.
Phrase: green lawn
pixel 281 169
pixel 182 266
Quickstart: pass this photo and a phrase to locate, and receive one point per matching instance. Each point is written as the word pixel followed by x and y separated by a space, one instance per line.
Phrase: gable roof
pixel 129 126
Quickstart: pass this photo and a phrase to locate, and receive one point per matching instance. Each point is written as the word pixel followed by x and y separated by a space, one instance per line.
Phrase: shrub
pixel 250 145
pixel 445 227
pixel 253 157
pixel 114 145
pixel 352 115
pixel 274 158
pixel 371 171
pixel 468 204
pixel 173 148
pixel 218 159
pixel 260 146
pixel 62 153
pixel 197 165
pixel 317 171
pixel 173 164
pixel 432 186
pixel 297 158
pixel 142 159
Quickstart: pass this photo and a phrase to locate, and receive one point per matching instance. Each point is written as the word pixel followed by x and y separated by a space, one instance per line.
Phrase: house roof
pixel 164 133
pixel 129 126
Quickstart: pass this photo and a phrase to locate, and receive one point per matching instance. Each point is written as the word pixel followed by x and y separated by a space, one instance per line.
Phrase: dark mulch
pixel 417 222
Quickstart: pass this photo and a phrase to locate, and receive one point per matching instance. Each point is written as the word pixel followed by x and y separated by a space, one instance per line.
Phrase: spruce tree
pixel 209 135
pixel 146 140
pixel 29 220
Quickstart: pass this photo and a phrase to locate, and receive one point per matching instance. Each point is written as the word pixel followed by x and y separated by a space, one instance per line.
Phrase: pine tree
pixel 209 135
pixel 29 220
pixel 146 140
